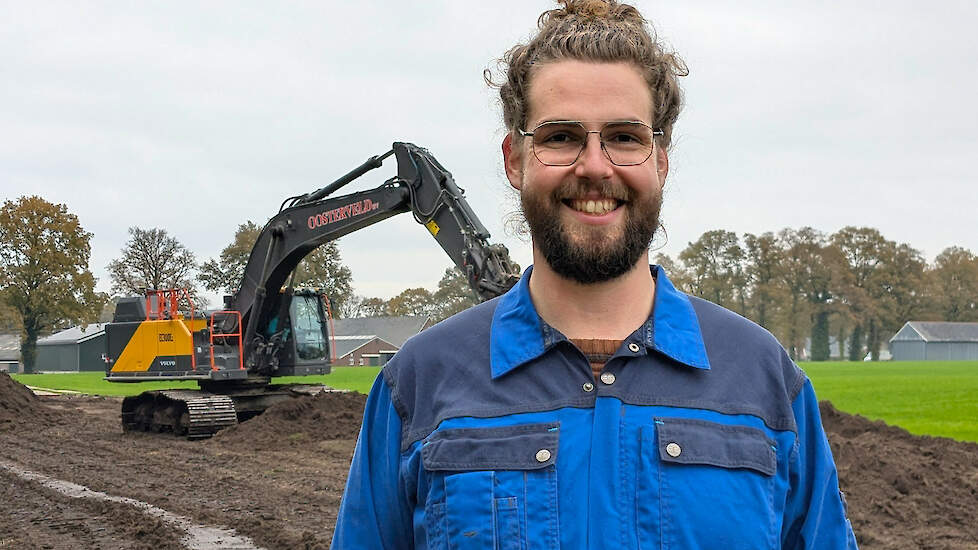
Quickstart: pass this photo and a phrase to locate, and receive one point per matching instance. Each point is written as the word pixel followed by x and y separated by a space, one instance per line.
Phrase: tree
pixel 715 266
pixel 793 275
pixel 763 256
pixel 44 275
pixel 820 264
pixel 225 273
pixel 900 284
pixel 368 307
pixel 412 301
pixel 152 259
pixel 864 250
pixel 322 269
pixel 678 275
pixel 453 294
pixel 955 276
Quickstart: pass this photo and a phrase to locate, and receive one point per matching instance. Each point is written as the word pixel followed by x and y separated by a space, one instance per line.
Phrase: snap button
pixel 543 455
pixel 608 378
pixel 588 387
pixel 633 347
pixel 674 450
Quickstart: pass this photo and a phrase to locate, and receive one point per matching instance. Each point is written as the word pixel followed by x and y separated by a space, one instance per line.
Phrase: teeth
pixel 600 206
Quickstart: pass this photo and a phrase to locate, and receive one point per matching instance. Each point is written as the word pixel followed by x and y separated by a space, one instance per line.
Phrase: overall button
pixel 608 378
pixel 588 387
pixel 633 347
pixel 543 455
pixel 674 450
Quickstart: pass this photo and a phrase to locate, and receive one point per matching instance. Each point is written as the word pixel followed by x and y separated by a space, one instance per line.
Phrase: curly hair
pixel 593 30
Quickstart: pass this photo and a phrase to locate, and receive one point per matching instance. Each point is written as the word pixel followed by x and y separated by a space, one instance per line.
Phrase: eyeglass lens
pixel 561 143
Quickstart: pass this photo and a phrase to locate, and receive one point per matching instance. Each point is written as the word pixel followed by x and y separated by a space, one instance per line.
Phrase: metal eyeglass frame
pixel 587 132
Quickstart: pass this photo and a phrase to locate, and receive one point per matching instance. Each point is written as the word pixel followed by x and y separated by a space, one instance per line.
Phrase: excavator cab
pixel 297 339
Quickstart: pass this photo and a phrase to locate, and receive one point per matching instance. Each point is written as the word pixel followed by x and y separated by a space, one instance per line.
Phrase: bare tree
pixel 152 259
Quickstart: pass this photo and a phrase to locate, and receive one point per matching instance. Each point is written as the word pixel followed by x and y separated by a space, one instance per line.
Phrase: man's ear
pixel 513 160
pixel 662 164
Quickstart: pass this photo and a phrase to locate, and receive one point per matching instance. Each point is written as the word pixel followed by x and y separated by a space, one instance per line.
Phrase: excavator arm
pixel 268 331
pixel 422 186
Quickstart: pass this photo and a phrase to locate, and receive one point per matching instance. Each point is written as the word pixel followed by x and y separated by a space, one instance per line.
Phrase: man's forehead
pixel 586 91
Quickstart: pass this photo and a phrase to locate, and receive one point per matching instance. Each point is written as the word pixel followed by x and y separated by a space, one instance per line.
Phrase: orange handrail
pixel 172 297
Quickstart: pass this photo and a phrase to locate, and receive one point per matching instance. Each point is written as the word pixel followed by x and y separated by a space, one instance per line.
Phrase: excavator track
pixel 194 414
pixel 208 415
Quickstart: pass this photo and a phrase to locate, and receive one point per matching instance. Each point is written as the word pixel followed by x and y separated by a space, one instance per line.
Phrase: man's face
pixel 591 221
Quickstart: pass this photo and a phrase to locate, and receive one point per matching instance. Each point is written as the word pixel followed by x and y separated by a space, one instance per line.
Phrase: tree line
pixel 803 285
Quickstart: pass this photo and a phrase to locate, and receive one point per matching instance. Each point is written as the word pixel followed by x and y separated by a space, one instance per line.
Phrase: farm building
pixel 72 350
pixel 935 341
pixel 9 353
pixel 371 341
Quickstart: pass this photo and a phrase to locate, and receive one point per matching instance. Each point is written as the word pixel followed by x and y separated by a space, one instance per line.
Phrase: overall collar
pixel 518 334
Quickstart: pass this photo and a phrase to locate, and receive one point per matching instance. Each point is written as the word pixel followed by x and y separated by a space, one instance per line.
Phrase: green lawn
pixel 349 378
pixel 933 398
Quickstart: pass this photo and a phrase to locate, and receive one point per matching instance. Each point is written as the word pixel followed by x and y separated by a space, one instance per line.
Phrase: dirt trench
pixel 278 479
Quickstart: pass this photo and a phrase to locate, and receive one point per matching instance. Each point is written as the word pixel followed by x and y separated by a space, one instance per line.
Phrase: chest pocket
pixel 704 485
pixel 492 488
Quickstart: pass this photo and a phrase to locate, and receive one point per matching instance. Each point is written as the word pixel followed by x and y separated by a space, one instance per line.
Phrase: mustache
pixel 579 189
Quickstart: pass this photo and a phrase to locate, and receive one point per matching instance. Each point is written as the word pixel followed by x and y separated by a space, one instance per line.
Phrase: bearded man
pixel 593 406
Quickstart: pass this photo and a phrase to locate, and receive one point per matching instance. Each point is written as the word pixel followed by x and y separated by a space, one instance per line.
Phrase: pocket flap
pixel 522 447
pixel 690 441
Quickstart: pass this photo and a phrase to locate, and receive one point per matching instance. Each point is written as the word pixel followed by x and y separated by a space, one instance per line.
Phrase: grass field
pixel 933 398
pixel 348 378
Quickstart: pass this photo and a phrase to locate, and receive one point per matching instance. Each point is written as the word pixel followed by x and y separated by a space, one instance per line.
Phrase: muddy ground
pixel 278 478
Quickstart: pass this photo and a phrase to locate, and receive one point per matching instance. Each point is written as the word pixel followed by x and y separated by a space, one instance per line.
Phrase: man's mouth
pixel 596 207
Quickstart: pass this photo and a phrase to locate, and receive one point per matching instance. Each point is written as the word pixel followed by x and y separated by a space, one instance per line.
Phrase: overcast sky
pixel 198 116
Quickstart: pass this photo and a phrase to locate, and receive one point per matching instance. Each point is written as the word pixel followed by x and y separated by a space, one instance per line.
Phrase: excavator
pixel 268 328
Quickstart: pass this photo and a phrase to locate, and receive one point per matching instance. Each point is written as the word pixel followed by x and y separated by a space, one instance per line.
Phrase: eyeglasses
pixel 561 142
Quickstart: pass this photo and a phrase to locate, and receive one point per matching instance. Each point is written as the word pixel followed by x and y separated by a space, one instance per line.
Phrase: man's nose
pixel 593 162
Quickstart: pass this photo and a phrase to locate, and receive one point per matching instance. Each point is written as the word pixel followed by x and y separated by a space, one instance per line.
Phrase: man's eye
pixel 623 138
pixel 561 138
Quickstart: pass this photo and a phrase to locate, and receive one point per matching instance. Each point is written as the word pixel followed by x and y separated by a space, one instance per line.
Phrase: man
pixel 593 406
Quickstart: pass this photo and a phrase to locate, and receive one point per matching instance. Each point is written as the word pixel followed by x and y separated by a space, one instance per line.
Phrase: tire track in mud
pixel 197 537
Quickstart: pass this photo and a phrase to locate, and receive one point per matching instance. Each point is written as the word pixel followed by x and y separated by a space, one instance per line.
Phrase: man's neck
pixel 608 310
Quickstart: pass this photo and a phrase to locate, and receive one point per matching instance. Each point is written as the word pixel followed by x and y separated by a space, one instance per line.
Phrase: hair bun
pixel 586 8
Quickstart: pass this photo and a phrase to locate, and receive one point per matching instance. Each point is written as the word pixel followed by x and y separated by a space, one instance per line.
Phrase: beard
pixel 589 254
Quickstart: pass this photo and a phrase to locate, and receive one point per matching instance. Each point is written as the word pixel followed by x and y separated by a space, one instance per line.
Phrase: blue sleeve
pixel 375 513
pixel 815 514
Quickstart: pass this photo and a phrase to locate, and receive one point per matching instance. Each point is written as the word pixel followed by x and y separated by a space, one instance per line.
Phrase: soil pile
pixel 18 404
pixel 904 490
pixel 298 422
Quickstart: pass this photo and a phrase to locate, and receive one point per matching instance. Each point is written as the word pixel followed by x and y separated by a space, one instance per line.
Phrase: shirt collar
pixel 518 334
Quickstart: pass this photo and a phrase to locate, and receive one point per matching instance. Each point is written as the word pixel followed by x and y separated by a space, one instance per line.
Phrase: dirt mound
pixel 299 422
pixel 18 404
pixel 903 490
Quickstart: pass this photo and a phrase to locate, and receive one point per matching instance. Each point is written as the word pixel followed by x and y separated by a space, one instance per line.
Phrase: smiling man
pixel 593 406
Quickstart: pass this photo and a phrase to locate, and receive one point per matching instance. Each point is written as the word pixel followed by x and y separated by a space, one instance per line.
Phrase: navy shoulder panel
pixel 750 363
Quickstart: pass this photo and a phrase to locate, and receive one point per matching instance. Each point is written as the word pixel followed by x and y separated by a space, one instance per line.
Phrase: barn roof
pixel 73 335
pixel 395 330
pixel 936 331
